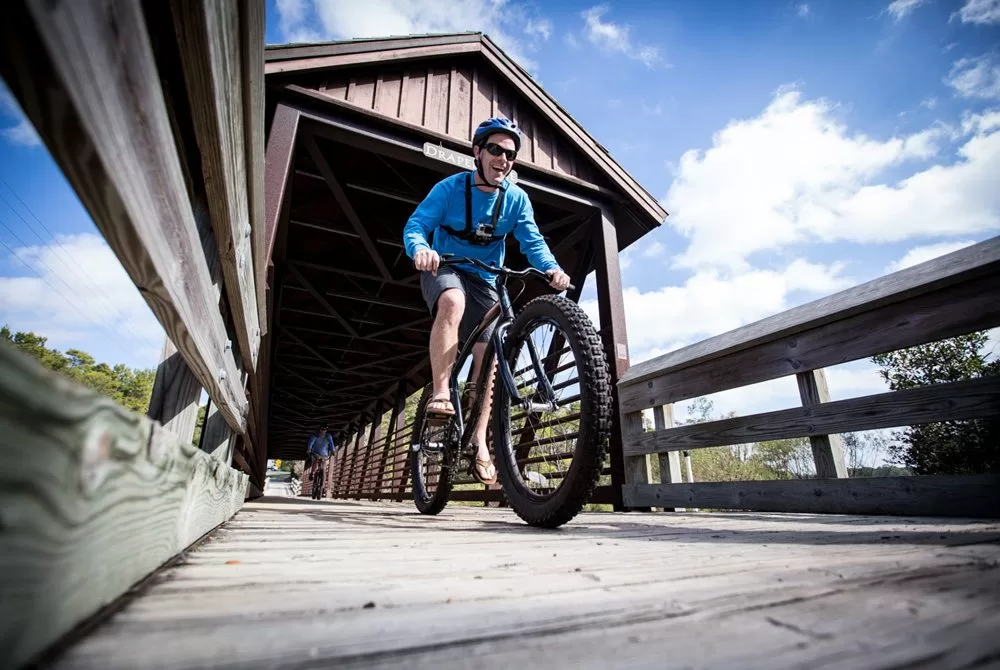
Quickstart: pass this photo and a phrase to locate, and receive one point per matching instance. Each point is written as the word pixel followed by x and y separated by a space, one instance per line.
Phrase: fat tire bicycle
pixel 319 465
pixel 532 494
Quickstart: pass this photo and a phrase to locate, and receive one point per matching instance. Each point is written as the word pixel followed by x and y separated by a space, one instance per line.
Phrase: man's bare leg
pixel 444 337
pixel 486 392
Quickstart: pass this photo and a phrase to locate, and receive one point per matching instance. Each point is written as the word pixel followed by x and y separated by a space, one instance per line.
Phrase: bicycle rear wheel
pixel 550 458
pixel 433 464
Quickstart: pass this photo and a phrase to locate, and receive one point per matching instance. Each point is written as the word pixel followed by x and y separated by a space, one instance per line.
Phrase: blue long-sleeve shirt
pixel 321 446
pixel 445 205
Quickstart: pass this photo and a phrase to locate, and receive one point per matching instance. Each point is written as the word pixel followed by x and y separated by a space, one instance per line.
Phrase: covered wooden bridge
pixel 256 198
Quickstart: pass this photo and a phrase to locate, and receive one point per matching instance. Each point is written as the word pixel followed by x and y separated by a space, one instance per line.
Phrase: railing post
pixel 176 390
pixel 670 462
pixel 398 409
pixel 638 469
pixel 373 437
pixel 612 316
pixel 828 450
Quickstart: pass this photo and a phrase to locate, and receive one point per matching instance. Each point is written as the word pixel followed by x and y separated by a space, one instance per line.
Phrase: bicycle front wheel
pixel 550 448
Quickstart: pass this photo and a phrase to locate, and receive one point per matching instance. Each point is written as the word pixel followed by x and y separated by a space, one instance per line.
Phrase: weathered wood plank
pixel 86 77
pixel 974 496
pixel 592 595
pixel 957 268
pixel 828 450
pixel 216 438
pixel 970 399
pixel 252 59
pixel 436 101
pixel 209 42
pixel 460 103
pixel 99 498
pixel 176 392
pixel 928 317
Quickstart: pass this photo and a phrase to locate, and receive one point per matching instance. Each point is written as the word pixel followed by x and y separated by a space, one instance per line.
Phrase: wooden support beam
pixel 175 396
pixel 252 21
pixel 278 171
pixel 951 401
pixel 670 463
pixel 611 308
pixel 308 381
pixel 217 439
pixel 972 496
pixel 208 35
pixel 299 341
pixel 85 75
pixel 100 498
pixel 318 297
pixel 345 204
pixel 828 450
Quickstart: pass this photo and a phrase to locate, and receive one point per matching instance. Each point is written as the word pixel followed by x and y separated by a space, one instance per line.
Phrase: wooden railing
pixel 952 295
pixel 154 112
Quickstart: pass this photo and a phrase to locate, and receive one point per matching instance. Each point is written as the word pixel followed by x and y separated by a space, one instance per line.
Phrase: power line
pixel 115 334
pixel 69 262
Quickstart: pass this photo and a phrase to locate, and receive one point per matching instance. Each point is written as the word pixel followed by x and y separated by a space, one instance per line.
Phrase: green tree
pixel 947 447
pixel 130 387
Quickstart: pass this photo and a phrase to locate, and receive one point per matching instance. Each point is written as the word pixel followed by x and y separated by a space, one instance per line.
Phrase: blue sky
pixel 801 147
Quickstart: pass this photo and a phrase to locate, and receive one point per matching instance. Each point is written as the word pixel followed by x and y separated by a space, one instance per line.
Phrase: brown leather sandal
pixel 479 467
pixel 440 405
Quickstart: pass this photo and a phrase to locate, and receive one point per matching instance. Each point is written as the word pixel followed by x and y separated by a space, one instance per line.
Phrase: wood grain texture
pixel 278 169
pixel 964 266
pixel 99 498
pixel 209 43
pixel 216 438
pixel 362 585
pixel 938 495
pixel 938 314
pixel 103 118
pixel 252 61
pixel 176 392
pixel 828 450
pixel 970 399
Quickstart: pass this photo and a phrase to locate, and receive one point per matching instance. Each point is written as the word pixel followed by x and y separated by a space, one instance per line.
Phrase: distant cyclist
pixel 470 214
pixel 319 449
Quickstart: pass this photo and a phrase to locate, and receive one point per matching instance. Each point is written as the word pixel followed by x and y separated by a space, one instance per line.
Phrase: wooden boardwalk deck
pixel 295 583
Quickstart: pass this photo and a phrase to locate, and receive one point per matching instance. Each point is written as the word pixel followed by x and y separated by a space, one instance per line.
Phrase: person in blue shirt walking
pixel 470 214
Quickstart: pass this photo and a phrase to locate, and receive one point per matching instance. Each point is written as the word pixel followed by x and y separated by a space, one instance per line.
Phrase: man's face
pixel 495 167
pixel 322 432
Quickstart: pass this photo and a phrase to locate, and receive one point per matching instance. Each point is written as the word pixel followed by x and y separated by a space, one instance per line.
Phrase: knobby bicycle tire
pixel 595 416
pixel 430 503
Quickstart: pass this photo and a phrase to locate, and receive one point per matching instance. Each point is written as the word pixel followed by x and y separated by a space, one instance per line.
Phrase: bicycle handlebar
pixel 449 259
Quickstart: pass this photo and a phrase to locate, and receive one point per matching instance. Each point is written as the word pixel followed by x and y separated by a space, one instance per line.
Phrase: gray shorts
pixel 479 297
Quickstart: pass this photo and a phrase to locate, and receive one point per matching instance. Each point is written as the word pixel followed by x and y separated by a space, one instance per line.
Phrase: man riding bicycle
pixel 319 449
pixel 470 215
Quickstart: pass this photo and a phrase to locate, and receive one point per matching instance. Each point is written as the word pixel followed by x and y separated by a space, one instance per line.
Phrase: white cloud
pixel 976 77
pixel 803 10
pixel 980 11
pixel 929 103
pixel 82 298
pixel 22 132
pixel 795 174
pixel 615 38
pixel 711 302
pixel 920 254
pixel 900 9
pixel 506 22
pixel 653 250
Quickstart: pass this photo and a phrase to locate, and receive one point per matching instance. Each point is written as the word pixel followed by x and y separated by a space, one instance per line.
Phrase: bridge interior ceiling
pixel 349 318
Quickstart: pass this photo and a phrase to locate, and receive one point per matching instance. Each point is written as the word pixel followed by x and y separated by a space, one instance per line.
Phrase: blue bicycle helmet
pixel 497 124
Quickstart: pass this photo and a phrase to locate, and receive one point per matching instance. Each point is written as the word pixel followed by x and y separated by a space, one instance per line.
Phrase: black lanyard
pixel 468 206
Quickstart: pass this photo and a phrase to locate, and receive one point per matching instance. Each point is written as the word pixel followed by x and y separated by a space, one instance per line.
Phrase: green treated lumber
pixel 93 498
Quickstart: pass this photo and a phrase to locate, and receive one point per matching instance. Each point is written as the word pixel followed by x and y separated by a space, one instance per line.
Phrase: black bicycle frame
pixel 503 323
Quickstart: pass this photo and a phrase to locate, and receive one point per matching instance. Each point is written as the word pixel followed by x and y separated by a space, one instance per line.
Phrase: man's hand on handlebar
pixel 558 279
pixel 427 260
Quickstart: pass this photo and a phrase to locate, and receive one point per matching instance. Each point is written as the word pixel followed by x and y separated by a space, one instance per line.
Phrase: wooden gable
pixel 445 85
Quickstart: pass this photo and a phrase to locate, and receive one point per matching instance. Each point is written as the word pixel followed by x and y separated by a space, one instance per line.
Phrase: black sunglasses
pixel 496 150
